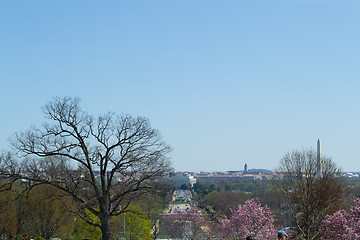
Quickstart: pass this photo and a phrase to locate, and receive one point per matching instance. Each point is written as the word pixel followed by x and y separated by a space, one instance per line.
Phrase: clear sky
pixel 226 82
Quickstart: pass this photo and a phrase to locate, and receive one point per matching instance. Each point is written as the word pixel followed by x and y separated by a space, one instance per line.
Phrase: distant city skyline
pixel 225 82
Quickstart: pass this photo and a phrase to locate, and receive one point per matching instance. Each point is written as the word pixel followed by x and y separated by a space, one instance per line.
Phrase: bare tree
pixel 308 195
pixel 103 163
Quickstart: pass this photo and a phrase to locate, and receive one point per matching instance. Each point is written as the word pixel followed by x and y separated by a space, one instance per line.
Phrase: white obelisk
pixel 319 161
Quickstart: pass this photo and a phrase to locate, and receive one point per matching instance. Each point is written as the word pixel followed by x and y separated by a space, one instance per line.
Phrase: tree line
pixel 41 215
pixel 301 198
pixel 252 219
pixel 55 166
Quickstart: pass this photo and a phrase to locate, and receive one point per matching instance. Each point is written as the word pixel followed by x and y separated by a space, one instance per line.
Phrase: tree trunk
pixel 106 227
pixel 105 218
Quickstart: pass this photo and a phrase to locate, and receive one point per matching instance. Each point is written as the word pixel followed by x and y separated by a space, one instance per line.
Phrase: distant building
pixel 247 177
pixel 232 173
pixel 179 180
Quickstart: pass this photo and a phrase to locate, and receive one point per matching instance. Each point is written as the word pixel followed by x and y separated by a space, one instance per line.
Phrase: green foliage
pixel 134 224
pixel 353 186
pixel 83 229
pixel 18 237
pixel 233 192
pixel 207 186
pixel 137 226
pixel 153 207
pixel 16 218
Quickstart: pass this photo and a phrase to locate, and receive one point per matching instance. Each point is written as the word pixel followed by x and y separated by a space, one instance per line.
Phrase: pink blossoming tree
pixel 248 219
pixel 343 224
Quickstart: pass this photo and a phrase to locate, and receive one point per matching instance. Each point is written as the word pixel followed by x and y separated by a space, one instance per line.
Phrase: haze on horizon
pixel 226 83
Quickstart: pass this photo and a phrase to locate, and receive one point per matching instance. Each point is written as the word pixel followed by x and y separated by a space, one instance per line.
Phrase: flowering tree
pixel 189 224
pixel 248 219
pixel 343 224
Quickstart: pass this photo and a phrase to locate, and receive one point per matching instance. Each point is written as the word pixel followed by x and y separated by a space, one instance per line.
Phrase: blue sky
pixel 226 82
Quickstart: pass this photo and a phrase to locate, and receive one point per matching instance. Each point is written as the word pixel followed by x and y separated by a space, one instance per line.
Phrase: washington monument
pixel 319 161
